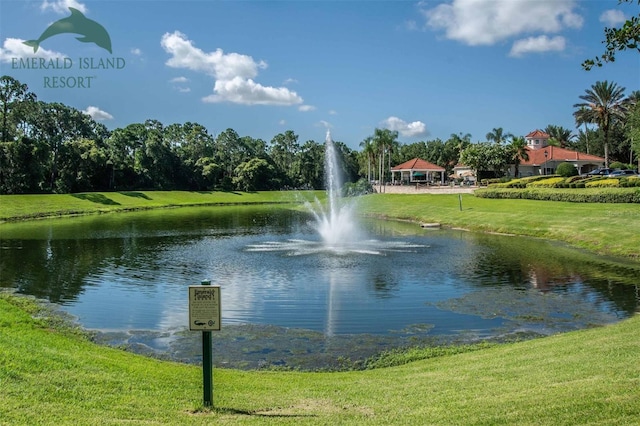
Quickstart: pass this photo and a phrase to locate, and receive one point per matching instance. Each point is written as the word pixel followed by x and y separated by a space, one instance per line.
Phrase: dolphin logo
pixel 77 23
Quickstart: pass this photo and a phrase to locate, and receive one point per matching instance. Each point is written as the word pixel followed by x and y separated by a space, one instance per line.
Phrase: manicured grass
pixel 50 375
pixel 17 207
pixel 612 229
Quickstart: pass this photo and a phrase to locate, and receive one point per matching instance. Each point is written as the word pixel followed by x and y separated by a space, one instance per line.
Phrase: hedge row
pixel 587 195
pixel 555 181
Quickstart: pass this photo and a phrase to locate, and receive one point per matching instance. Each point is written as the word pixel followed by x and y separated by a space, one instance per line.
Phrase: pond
pixel 126 277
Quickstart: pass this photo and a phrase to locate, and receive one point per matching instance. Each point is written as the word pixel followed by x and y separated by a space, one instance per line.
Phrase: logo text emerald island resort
pixel 90 32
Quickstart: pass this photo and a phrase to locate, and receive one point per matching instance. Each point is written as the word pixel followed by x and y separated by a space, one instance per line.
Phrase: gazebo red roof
pixel 418 164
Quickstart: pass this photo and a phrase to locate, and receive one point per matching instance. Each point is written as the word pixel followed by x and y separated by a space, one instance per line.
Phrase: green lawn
pixel 20 207
pixel 612 229
pixel 49 375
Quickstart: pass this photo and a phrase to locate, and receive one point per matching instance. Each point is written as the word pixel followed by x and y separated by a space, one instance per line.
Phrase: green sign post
pixel 204 315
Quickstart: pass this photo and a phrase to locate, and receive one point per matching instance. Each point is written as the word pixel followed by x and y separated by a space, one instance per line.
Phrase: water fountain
pixel 334 221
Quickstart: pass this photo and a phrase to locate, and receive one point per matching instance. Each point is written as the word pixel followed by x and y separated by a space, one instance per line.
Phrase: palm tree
pixel 518 152
pixel 559 134
pixel 604 104
pixel 383 141
pixel 497 135
pixel 582 117
pixel 369 152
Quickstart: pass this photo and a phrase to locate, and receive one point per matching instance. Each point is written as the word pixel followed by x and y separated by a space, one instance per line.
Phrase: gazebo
pixel 416 170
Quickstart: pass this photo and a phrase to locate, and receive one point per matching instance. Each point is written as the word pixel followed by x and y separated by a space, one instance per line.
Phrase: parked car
pixel 623 173
pixel 600 171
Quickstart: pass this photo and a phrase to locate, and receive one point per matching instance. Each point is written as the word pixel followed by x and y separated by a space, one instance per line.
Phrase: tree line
pixel 55 148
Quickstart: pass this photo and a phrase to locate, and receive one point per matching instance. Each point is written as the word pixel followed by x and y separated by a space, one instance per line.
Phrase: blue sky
pixel 427 69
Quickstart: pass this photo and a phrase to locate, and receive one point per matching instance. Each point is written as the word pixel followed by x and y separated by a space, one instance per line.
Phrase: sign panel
pixel 204 308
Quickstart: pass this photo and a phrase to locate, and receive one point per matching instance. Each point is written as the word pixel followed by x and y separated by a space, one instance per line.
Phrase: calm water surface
pixel 126 275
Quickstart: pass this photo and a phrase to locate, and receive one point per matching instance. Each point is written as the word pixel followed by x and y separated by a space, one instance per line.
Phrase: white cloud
pixel 325 124
pixel 537 45
pixel 486 22
pixel 97 114
pixel 15 48
pixel 612 18
pixel 306 108
pixel 62 6
pixel 233 72
pixel 282 122
pixel 416 128
pixel 290 81
pixel 248 92
pixel 136 52
pixel 179 84
pixel 333 112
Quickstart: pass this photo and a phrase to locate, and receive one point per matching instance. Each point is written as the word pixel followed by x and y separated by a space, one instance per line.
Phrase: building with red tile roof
pixel 544 158
pixel 417 170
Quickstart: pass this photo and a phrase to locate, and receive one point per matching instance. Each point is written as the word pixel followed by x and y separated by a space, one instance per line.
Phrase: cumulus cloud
pixel 234 73
pixel 62 6
pixel 136 51
pixel 612 18
pixel 413 129
pixel 486 22
pixel 97 114
pixel 306 108
pixel 325 124
pixel 537 45
pixel 15 48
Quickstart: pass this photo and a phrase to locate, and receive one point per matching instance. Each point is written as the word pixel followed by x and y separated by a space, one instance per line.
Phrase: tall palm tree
pixel 604 104
pixel 582 118
pixel 518 152
pixel 368 150
pixel 498 135
pixel 559 134
pixel 383 140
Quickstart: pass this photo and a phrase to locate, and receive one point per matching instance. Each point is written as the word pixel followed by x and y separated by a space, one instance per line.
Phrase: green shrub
pixel 629 182
pixel 588 195
pixel 551 182
pixel 566 170
pixel 603 183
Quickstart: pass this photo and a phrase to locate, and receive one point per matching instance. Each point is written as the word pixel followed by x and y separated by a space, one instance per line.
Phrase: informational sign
pixel 204 308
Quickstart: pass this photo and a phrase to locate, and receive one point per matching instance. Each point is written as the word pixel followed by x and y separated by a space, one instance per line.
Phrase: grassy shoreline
pixel 50 374
pixel 607 229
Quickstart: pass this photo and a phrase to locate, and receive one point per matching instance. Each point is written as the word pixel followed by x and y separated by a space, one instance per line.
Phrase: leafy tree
pixel 311 158
pixel 488 159
pixel 13 95
pixel 617 40
pixel 603 105
pixel 253 175
pixel 22 166
pixel 284 150
pixel 81 164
